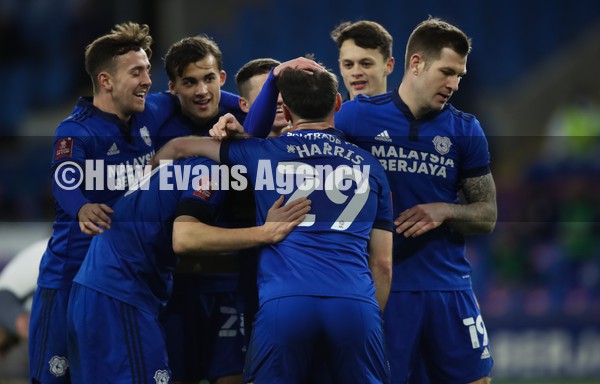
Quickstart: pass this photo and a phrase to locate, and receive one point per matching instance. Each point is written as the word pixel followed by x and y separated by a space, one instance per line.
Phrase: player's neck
pixel 315 125
pixel 406 94
pixel 319 124
pixel 106 104
pixel 199 122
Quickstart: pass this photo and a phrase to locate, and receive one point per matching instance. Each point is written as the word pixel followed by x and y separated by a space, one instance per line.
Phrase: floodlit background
pixel 533 81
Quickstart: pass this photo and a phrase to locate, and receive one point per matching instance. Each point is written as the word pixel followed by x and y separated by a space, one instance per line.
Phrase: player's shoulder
pixel 462 123
pixel 229 95
pixel 87 120
pixel 361 103
pixel 375 99
pixel 77 124
pixel 83 110
pixel 460 115
pixel 158 100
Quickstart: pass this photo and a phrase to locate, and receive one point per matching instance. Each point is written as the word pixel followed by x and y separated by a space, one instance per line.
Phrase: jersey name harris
pixel 328 148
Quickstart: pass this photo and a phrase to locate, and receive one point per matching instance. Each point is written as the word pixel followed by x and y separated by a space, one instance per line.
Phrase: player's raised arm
pixel 262 113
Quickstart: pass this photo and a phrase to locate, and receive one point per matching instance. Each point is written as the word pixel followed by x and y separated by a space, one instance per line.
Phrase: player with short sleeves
pixel 336 264
pixel 98 151
pixel 433 154
pixel 125 280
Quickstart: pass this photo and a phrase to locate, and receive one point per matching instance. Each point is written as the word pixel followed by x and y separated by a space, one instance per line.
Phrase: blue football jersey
pixel 197 345
pixel 134 260
pixel 178 125
pixel 425 161
pixel 327 254
pixel 99 149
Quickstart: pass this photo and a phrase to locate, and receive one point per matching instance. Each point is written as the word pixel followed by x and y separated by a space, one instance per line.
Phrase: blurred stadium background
pixel 533 81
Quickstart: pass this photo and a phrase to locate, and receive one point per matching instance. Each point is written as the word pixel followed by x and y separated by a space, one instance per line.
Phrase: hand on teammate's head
pixel 298 63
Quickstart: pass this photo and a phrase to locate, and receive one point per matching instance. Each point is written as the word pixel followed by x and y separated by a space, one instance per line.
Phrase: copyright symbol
pixel 68 175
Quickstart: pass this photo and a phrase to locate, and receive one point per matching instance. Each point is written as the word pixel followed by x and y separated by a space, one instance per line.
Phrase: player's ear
pixel 416 61
pixel 338 102
pixel 104 80
pixel 244 104
pixel 286 113
pixel 172 88
pixel 223 77
pixel 389 66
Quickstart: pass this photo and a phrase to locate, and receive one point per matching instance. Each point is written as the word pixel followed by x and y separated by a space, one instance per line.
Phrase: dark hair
pixel 311 95
pixel 123 38
pixel 366 34
pixel 190 50
pixel 251 69
pixel 431 36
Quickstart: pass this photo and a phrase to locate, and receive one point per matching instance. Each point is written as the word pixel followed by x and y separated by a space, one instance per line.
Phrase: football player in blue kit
pixel 432 154
pixel 113 129
pixel 125 279
pixel 365 57
pixel 337 263
pixel 204 319
pixel 194 66
pixel 365 62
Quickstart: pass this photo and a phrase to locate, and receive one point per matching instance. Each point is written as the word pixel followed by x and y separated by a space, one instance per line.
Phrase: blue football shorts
pixel 113 342
pixel 443 330
pixel 204 330
pixel 290 333
pixel 48 362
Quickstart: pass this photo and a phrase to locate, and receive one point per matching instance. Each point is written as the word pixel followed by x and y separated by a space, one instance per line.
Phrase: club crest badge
pixel 58 365
pixel 146 135
pixel 442 144
pixel 161 377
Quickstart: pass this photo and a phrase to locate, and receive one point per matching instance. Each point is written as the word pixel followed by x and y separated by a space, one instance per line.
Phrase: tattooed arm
pixel 477 216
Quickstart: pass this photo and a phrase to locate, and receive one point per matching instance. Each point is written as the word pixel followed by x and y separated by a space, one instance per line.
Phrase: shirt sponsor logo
pixel 399 159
